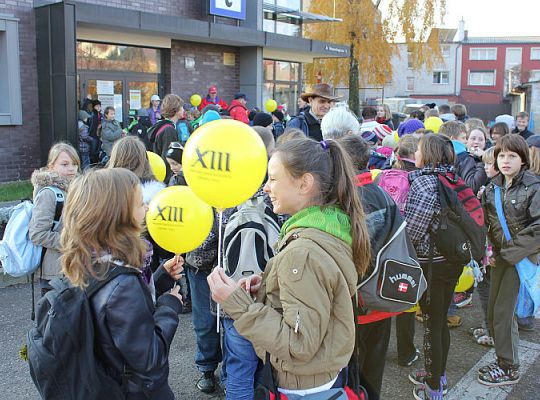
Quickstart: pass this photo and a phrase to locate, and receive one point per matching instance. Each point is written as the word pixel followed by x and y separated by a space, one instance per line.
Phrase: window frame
pixel 446 52
pixel 486 49
pixel 492 71
pixel 537 57
pixel 409 79
pixel 440 78
pixel 12 114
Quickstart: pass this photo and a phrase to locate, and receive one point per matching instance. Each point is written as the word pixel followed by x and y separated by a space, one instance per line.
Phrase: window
pixel 10 75
pixel 281 83
pixel 513 57
pixel 410 84
pixel 482 78
pixel 445 50
pixel 410 61
pixel 535 53
pixel 441 77
pixel 483 53
pixel 534 75
pixel 100 56
pixel 281 22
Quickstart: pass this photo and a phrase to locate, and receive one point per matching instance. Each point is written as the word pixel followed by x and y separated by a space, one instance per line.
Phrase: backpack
pixel 19 256
pixel 183 129
pixel 155 130
pixel 249 239
pixel 395 182
pixel 461 235
pixel 61 354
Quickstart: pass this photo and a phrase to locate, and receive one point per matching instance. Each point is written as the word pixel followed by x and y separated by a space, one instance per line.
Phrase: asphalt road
pixel 15 382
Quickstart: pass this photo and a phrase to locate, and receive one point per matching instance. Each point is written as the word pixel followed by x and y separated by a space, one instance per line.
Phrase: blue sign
pixel 229 8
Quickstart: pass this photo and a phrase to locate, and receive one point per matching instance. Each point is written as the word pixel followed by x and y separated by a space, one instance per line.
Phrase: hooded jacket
pixel 111 131
pixel 40 227
pixel 471 171
pixel 239 112
pixel 521 205
pixel 303 313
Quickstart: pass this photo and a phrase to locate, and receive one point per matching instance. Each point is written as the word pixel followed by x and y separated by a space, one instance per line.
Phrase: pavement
pixel 464 358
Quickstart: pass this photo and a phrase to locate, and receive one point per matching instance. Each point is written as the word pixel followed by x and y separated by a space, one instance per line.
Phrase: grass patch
pixel 16 191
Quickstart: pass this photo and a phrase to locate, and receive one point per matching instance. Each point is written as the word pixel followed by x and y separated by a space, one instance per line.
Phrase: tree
pixel 372 38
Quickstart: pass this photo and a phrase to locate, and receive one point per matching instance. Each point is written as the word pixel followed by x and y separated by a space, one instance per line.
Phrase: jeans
pixel 241 363
pixel 208 354
pixel 483 294
pixel 85 161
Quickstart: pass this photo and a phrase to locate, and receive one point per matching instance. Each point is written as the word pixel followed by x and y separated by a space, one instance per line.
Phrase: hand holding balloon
pixel 174 267
pixel 221 286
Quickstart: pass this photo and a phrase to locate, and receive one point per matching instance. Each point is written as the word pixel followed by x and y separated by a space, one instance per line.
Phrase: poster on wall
pixel 107 100
pixel 134 99
pixel 229 8
pixel 118 107
pixel 105 87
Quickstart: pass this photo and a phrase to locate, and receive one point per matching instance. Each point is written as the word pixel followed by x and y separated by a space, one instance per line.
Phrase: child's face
pixel 462 138
pixel 509 163
pixel 476 140
pixel 495 136
pixel 490 169
pixel 110 115
pixel 175 166
pixel 139 208
pixel 65 166
pixel 522 123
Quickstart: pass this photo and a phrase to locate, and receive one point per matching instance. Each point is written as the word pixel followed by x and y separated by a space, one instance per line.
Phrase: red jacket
pixel 218 102
pixel 239 112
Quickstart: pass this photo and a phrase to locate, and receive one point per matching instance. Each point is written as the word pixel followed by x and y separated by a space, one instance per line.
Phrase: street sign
pixel 229 8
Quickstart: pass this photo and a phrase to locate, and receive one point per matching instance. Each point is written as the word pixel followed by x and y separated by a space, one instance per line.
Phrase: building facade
pixel 123 51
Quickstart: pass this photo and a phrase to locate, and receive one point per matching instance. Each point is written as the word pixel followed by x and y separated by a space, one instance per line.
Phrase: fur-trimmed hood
pixel 150 189
pixel 44 177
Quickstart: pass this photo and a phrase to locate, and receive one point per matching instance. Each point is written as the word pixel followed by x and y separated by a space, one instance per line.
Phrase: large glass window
pixel 483 53
pixel 282 83
pixel 112 57
pixel 482 78
pixel 276 19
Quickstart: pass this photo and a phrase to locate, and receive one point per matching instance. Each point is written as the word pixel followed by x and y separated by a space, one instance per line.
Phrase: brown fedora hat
pixel 323 90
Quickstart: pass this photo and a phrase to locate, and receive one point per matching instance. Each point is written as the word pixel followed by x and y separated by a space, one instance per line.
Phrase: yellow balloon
pixel 271 105
pixel 195 100
pixel 224 162
pixel 178 220
pixel 466 280
pixel 413 308
pixel 375 172
pixel 396 137
pixel 157 165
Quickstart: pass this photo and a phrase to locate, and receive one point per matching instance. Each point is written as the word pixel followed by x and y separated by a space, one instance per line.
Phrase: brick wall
pixel 182 8
pixel 209 70
pixel 19 145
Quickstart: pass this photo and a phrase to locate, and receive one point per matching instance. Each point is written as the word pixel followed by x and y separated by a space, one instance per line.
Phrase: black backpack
pixel 61 352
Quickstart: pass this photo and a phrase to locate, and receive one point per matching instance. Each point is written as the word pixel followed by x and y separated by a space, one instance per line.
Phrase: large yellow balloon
pixel 466 280
pixel 271 105
pixel 195 100
pixel 224 162
pixel 374 173
pixel 157 165
pixel 178 220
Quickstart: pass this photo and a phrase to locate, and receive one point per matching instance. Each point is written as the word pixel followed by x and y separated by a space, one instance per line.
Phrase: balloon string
pixel 219 261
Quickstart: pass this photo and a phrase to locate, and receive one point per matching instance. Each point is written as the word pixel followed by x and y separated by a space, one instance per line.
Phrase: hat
pixel 382 131
pixel 210 115
pixel 95 103
pixel 323 90
pixel 142 112
pixel 212 90
pixel 534 141
pixel 433 124
pixel 155 97
pixel 262 119
pixel 410 126
pixel 370 137
pixel 507 119
pixel 390 141
pixel 279 115
pixel 240 95
pixel 209 107
pixel 83 115
pixel 175 154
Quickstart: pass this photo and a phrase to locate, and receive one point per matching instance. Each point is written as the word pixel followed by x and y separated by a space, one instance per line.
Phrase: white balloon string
pixel 218 309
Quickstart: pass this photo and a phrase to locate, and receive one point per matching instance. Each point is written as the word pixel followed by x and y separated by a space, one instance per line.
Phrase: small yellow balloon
pixel 157 165
pixel 178 220
pixel 224 162
pixel 466 280
pixel 271 105
pixel 396 137
pixel 195 100
pixel 374 173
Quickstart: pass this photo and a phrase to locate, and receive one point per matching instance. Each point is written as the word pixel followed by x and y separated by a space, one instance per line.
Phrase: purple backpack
pixel 395 182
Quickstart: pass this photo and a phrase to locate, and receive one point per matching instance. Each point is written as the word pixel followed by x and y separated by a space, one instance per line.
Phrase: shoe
pixel 454 321
pixel 207 382
pixel 412 360
pixel 526 324
pixel 419 378
pixel 485 340
pixel 463 299
pixel 500 376
pixel 424 392
pixel 186 308
pixel 486 368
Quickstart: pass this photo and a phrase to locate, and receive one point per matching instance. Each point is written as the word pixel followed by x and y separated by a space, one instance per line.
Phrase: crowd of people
pixel 336 214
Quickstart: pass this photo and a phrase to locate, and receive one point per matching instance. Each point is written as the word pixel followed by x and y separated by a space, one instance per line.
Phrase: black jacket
pixel 471 171
pixel 524 134
pixel 131 332
pixel 521 205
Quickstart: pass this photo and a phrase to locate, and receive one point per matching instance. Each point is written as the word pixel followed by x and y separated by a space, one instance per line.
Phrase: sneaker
pixel 526 324
pixel 463 299
pixel 412 360
pixel 486 368
pixel 454 321
pixel 500 376
pixel 424 392
pixel 207 382
pixel 419 378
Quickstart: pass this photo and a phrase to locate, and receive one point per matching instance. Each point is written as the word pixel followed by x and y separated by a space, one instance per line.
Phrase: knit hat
pixel 507 119
pixel 410 126
pixel 370 137
pixel 433 124
pixel 210 115
pixel 534 141
pixel 83 115
pixel 382 131
pixel 278 114
pixel 209 107
pixel 175 154
pixel 262 119
pixel 390 141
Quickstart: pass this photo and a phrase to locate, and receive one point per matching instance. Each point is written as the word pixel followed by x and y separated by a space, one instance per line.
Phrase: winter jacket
pixel 84 137
pixel 524 134
pixel 387 122
pixel 140 129
pixel 163 133
pixel 95 122
pixel 178 180
pixel 133 333
pixel 303 312
pixel 521 204
pixel 218 101
pixel 40 230
pixel 308 124
pixel 239 112
pixel 471 171
pixel 154 116
pixel 111 131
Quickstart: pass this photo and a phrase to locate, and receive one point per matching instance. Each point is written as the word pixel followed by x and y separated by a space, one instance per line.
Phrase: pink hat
pixel 382 131
pixel 212 90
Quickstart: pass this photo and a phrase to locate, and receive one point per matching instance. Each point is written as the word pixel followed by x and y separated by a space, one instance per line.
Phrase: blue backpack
pixel 18 255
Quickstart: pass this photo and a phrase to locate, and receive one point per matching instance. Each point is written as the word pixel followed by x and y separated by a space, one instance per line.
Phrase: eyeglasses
pixel 176 145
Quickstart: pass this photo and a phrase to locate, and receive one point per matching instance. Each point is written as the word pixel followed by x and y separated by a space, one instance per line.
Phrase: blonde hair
pixel 170 105
pixel 59 148
pixel 489 156
pixel 290 134
pixel 475 123
pixel 534 153
pixel 98 219
pixel 129 152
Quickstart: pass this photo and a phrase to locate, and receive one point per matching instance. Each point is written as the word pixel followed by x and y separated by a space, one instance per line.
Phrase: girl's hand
pixel 174 267
pixel 251 284
pixel 175 291
pixel 220 285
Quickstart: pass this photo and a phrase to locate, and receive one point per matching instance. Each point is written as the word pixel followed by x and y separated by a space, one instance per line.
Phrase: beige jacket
pixel 40 228
pixel 303 314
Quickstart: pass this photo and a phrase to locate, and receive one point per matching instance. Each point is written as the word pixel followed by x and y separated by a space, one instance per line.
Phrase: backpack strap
pixel 500 213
